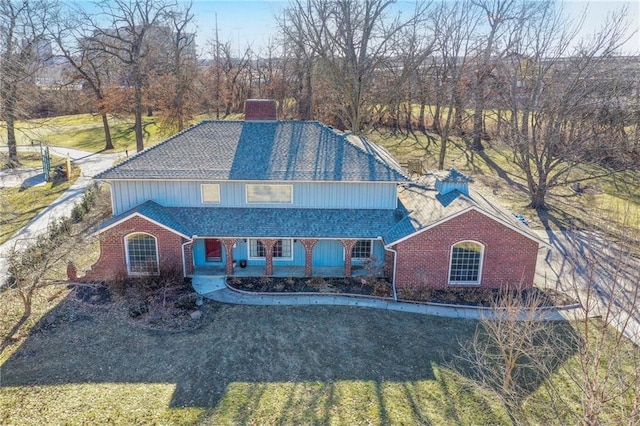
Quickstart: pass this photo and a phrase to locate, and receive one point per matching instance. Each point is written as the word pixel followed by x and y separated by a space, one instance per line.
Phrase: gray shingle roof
pixel 425 206
pixel 265 222
pixel 282 150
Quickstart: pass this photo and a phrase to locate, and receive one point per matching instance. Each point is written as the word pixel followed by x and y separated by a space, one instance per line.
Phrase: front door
pixel 213 250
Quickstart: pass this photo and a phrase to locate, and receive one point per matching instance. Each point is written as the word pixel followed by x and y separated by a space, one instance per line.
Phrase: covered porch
pixel 246 257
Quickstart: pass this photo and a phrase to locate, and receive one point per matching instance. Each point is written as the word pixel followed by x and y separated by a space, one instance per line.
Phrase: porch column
pixel 268 254
pixel 348 245
pixel 308 256
pixel 228 244
pixel 188 258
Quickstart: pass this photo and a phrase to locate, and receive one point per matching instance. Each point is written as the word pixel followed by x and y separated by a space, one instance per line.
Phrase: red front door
pixel 213 250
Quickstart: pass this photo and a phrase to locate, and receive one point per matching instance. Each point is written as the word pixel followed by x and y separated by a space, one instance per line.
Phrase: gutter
pixel 395 266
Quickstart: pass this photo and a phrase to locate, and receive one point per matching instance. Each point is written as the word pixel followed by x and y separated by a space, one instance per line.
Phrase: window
pixel 269 194
pixel 281 249
pixel 466 263
pixel 142 254
pixel 210 193
pixel 361 250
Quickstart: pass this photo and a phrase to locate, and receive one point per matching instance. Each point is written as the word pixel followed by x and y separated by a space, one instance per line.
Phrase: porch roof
pixel 267 222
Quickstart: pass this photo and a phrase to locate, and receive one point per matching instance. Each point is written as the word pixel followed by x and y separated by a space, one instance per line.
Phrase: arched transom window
pixel 466 263
pixel 142 254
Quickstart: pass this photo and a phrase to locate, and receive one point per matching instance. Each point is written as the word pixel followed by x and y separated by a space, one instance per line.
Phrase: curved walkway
pixel 228 295
pixel 90 164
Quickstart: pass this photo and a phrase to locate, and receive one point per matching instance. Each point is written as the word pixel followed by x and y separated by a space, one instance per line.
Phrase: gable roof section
pixel 151 211
pixel 427 208
pixel 279 151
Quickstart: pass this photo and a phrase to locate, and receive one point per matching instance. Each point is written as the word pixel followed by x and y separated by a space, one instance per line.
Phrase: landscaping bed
pixel 368 286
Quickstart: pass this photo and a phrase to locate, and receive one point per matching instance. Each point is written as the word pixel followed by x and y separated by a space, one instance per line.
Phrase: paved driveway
pixel 90 164
pixel 587 263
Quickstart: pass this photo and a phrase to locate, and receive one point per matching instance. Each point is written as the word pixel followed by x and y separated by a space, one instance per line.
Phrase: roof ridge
pixel 345 137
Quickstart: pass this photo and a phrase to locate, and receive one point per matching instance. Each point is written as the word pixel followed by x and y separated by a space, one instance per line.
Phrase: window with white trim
pixel 142 254
pixel 210 193
pixel 269 194
pixel 281 249
pixel 466 263
pixel 361 249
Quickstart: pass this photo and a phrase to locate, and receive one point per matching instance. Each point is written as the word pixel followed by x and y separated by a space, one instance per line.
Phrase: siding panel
pixel 331 195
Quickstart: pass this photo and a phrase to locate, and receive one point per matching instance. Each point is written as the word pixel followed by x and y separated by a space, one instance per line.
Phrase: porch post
pixel 188 258
pixel 348 245
pixel 268 253
pixel 228 244
pixel 308 256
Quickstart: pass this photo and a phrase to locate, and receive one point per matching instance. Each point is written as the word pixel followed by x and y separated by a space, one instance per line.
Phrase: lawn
pixel 19 206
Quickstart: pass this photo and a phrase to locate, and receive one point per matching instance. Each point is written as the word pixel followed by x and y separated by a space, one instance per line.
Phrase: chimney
pixel 452 180
pixel 260 110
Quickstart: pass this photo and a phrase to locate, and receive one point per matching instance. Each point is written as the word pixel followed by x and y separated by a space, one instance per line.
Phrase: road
pixel 90 164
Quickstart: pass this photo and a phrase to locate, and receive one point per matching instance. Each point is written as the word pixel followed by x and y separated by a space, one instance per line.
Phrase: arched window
pixel 466 263
pixel 142 254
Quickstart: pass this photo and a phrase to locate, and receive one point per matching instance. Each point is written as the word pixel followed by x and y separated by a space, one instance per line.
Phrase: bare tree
pixel 121 30
pixel 514 349
pixel 351 39
pixel 554 97
pixel 90 67
pixel 453 25
pixel 22 38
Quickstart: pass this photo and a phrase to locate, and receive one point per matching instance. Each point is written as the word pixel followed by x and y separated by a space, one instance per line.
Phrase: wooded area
pixel 478 71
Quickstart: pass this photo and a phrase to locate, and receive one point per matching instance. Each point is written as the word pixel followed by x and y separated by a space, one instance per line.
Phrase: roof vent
pixel 452 180
pixel 260 110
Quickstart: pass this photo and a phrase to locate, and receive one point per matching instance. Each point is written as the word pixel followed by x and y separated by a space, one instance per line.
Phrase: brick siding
pixel 112 261
pixel 509 257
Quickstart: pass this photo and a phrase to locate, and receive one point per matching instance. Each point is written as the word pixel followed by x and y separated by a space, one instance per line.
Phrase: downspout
pixel 393 276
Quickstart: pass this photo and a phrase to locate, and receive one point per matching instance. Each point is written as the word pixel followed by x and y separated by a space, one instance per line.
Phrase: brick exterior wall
pixel 112 261
pixel 509 257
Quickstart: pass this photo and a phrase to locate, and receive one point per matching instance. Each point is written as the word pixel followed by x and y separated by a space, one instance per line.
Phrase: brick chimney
pixel 260 110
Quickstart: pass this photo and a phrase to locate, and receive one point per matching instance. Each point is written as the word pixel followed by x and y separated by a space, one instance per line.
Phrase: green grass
pixel 252 365
pixel 18 206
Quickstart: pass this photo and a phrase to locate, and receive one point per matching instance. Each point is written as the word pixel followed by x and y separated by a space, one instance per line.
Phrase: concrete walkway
pixel 215 289
pixel 90 164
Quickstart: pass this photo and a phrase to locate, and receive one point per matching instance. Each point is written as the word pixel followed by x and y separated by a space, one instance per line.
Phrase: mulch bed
pixel 378 287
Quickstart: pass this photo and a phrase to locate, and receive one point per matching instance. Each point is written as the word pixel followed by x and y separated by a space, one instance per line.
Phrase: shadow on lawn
pixel 314 347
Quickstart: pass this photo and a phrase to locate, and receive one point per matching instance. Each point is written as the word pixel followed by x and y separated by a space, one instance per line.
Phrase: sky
pixel 252 22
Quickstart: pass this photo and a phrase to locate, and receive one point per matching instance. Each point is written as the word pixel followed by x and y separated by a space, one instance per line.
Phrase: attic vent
pixel 452 180
pixel 260 110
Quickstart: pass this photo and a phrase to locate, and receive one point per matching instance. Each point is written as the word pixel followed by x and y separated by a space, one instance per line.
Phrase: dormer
pixel 452 180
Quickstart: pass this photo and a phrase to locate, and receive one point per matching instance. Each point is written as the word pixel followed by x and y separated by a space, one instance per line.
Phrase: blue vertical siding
pixel 330 195
pixel 328 253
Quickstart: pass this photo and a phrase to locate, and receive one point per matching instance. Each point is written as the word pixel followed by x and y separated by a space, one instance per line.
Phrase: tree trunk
pixel 538 197
pixel 9 114
pixel 107 132
pixel 138 115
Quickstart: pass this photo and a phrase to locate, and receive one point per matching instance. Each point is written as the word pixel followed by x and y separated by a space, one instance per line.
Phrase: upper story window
pixel 281 249
pixel 142 254
pixel 361 250
pixel 210 193
pixel 269 194
pixel 466 263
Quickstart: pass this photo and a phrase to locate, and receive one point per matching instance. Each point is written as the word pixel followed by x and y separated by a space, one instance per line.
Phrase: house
pixel 285 198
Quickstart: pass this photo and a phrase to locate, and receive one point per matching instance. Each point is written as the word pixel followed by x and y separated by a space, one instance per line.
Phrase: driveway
pixel 90 164
pixel 589 264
